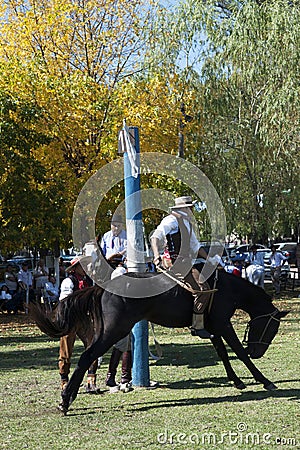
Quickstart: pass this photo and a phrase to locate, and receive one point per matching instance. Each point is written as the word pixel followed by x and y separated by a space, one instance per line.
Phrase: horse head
pixel 260 332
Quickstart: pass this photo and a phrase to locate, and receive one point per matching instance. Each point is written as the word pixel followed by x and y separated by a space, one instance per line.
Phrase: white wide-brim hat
pixel 183 202
pixel 76 261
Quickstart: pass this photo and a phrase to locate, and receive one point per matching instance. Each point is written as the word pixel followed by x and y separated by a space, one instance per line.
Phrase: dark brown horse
pixel 108 317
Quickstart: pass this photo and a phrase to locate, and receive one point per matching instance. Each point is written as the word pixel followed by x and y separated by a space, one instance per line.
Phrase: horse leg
pixel 233 341
pixel 70 392
pixel 223 354
pixel 87 336
pixel 98 348
pixel 91 387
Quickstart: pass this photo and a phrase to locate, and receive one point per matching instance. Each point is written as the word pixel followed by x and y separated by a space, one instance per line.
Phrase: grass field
pixel 194 407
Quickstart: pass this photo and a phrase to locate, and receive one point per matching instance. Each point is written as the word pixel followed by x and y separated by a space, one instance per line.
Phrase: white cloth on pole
pixel 126 145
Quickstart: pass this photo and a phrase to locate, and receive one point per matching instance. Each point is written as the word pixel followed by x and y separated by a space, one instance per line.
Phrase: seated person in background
pixel 9 303
pixel 255 270
pixel 50 290
pixel 11 279
pixel 5 296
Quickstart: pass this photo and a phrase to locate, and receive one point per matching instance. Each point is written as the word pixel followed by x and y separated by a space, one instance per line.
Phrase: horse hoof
pixel 240 386
pixel 270 387
pixel 63 409
pixel 91 388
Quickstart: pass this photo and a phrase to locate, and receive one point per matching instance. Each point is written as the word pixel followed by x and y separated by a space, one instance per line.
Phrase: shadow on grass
pixel 194 356
pixel 240 396
pixel 190 355
pixel 216 382
pixel 288 394
pixel 21 358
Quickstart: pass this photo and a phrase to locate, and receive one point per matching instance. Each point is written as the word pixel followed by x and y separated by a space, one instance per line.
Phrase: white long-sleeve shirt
pixel 169 225
pixel 24 276
pixel 111 244
pixel 66 288
pixel 277 259
pixel 255 259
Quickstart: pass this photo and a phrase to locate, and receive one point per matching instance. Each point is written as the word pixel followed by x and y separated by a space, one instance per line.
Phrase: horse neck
pixel 257 302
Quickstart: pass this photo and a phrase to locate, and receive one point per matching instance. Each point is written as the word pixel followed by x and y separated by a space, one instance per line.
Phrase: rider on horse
pixel 175 233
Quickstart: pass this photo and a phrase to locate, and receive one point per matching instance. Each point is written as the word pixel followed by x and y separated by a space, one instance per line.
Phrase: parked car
pixel 241 252
pixel 288 249
pixel 17 261
pixel 217 248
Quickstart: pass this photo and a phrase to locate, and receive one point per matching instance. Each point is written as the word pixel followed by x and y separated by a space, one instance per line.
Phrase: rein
pixel 185 285
pixel 260 340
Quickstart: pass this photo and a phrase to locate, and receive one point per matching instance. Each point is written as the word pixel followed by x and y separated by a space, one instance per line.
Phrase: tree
pixel 31 204
pixel 73 55
pixel 249 107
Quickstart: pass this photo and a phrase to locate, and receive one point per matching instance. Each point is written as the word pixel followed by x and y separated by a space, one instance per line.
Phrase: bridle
pixel 260 340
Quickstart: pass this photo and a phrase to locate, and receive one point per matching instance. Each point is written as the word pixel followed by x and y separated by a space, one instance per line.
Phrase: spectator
pixel 255 270
pixel 11 279
pixel 41 274
pixel 276 260
pixel 25 284
pixel 9 303
pixel 62 270
pixel 5 300
pixel 298 258
pixel 114 242
pixel 51 291
pixel 5 295
pixel 233 268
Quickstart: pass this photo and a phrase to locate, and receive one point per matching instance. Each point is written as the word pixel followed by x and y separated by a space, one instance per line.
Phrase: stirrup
pixel 202 333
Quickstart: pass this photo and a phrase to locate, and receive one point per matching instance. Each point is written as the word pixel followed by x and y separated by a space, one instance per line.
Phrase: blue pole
pixel 135 263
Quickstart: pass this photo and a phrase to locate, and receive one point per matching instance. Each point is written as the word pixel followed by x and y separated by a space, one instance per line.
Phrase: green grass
pixel 195 407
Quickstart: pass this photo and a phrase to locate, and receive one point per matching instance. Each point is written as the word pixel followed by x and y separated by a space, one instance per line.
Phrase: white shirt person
pixel 255 271
pixel 114 241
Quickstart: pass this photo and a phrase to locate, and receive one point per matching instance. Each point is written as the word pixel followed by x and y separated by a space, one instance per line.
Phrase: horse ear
pixel 282 314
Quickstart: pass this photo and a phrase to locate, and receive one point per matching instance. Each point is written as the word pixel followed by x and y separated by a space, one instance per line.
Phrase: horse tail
pixel 45 321
pixel 71 313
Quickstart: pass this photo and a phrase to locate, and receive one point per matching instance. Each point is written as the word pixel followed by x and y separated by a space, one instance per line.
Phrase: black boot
pixel 112 368
pixel 202 333
pixel 198 327
pixel 125 385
